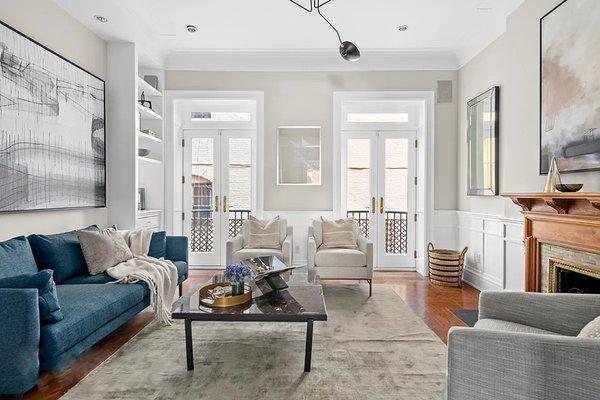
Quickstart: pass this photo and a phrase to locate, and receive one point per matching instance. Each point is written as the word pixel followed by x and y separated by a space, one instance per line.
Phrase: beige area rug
pixel 370 348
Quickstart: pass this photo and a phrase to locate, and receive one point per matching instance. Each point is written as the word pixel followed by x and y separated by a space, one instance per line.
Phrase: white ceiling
pixel 271 34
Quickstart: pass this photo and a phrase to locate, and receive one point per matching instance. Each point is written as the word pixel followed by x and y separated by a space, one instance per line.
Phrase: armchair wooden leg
pixel 181 289
pixel 370 287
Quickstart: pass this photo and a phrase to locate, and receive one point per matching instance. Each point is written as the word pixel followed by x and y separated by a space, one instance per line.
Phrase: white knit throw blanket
pixel 160 275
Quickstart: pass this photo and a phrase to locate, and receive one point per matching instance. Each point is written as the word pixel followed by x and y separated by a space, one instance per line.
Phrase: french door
pixel 379 192
pixel 218 193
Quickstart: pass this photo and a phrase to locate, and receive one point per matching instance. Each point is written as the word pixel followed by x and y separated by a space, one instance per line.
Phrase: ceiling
pixel 272 34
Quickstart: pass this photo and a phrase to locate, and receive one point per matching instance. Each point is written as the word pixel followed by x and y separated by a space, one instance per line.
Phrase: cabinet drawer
pixel 148 222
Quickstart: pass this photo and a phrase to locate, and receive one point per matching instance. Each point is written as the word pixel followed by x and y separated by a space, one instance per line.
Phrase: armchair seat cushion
pixel 340 258
pixel 245 254
pixel 507 326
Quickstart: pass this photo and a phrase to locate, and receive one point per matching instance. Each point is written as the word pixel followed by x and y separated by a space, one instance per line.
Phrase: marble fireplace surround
pixel 566 224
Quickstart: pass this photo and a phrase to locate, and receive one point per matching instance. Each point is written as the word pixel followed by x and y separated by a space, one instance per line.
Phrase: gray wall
pixel 50 25
pixel 511 62
pixel 306 98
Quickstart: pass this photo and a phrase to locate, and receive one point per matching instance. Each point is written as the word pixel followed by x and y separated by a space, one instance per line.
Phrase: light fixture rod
pixel 326 20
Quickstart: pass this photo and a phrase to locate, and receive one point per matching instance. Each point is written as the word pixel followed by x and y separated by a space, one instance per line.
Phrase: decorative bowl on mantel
pixel 568 187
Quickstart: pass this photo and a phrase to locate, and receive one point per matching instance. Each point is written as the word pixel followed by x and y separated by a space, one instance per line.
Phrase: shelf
pixel 148 113
pixel 148 137
pixel 148 90
pixel 149 160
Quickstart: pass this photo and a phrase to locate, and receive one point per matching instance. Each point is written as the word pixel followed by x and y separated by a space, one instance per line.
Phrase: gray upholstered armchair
pixel 236 250
pixel 342 264
pixel 525 347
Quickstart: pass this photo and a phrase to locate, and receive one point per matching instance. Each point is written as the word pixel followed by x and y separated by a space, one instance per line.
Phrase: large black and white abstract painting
pixel 52 141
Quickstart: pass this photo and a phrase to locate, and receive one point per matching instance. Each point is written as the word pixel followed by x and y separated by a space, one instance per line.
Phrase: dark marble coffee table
pixel 302 301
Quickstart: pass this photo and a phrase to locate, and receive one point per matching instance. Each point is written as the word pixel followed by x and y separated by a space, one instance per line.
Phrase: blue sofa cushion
pixel 16 258
pixel 60 252
pixel 47 298
pixel 182 270
pixel 158 245
pixel 89 279
pixel 86 309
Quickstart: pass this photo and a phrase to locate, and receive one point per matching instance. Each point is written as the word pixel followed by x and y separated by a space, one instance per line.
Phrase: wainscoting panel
pixel 496 256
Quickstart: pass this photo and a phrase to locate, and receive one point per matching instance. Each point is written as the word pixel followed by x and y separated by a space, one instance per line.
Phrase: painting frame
pixel 542 170
pixel 103 203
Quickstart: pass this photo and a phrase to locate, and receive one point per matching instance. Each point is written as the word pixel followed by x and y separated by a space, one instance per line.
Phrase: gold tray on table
pixel 226 301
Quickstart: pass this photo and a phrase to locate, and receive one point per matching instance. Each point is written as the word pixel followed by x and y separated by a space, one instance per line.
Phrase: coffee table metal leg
pixel 308 351
pixel 189 349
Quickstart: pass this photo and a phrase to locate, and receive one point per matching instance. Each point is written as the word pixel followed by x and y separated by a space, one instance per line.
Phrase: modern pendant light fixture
pixel 348 50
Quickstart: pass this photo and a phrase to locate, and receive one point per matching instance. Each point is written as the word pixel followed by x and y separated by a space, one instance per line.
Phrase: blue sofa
pixel 91 309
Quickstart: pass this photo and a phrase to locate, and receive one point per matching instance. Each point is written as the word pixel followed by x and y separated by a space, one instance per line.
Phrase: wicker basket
pixel 446 266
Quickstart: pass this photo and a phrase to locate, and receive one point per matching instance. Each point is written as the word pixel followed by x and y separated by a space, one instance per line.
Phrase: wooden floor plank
pixel 431 303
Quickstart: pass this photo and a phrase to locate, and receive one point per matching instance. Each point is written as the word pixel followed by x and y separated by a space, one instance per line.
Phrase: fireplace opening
pixel 573 278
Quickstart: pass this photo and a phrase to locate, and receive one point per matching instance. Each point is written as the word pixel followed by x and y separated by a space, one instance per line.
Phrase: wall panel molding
pixel 496 256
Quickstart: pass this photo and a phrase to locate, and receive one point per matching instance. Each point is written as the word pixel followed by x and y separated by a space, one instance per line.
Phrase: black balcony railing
pixel 395 229
pixel 202 232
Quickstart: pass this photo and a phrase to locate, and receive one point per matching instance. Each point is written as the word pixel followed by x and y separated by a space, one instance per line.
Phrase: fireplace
pixel 564 227
pixel 567 277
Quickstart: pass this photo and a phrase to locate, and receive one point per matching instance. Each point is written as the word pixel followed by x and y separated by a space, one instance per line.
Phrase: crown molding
pixel 310 60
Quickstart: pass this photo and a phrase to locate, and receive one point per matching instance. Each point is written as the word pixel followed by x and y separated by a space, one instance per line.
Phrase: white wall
pixel 50 25
pixel 492 226
pixel 511 62
pixel 306 98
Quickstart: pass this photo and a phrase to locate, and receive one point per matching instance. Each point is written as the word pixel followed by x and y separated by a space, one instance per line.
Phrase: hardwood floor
pixel 431 303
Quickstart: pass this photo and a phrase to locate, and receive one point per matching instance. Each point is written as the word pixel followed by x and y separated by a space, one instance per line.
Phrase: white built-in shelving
pixel 127 131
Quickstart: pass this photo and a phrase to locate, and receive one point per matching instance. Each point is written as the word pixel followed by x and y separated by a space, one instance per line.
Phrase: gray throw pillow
pixel 340 233
pixel 103 250
pixel 262 234
pixel 591 330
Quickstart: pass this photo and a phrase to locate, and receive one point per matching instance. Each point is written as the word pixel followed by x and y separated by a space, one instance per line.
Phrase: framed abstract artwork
pixel 52 139
pixel 569 87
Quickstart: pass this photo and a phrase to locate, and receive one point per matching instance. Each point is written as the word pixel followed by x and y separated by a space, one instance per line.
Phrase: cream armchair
pixel 236 251
pixel 340 264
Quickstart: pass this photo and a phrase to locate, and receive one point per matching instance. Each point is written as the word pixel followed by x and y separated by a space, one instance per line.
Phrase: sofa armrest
pixel 563 313
pixel 177 248
pixel 494 365
pixel 233 245
pixel 19 340
pixel 287 247
pixel 366 247
pixel 311 250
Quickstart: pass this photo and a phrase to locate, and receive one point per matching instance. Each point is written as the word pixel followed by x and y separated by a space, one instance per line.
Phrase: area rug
pixel 370 348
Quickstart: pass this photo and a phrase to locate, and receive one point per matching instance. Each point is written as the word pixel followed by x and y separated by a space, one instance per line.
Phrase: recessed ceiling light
pixel 402 28
pixel 191 28
pixel 100 18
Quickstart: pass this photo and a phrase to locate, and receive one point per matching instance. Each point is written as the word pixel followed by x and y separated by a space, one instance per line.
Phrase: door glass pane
pixel 239 198
pixel 203 168
pixel 358 178
pixel 396 195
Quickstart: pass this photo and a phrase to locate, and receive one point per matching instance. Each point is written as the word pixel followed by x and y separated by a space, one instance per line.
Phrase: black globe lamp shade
pixel 349 51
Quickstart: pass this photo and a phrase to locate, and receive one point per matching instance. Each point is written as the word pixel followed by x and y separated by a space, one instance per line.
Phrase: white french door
pixel 379 191
pixel 218 193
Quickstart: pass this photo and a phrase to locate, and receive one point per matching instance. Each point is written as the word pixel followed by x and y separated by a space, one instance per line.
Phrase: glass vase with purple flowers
pixel 236 274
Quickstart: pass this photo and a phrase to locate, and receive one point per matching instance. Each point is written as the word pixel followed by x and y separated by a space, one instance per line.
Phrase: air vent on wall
pixel 444 92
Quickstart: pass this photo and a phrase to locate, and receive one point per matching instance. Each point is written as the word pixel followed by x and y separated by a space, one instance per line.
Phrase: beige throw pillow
pixel 262 234
pixel 591 330
pixel 340 233
pixel 103 250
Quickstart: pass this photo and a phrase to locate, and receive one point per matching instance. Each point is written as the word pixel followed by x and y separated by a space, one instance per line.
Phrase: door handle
pixel 373 205
pixel 224 203
pixel 381 205
pixel 217 203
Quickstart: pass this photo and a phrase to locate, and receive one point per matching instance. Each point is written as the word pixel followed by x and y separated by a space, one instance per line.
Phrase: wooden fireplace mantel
pixel 564 219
